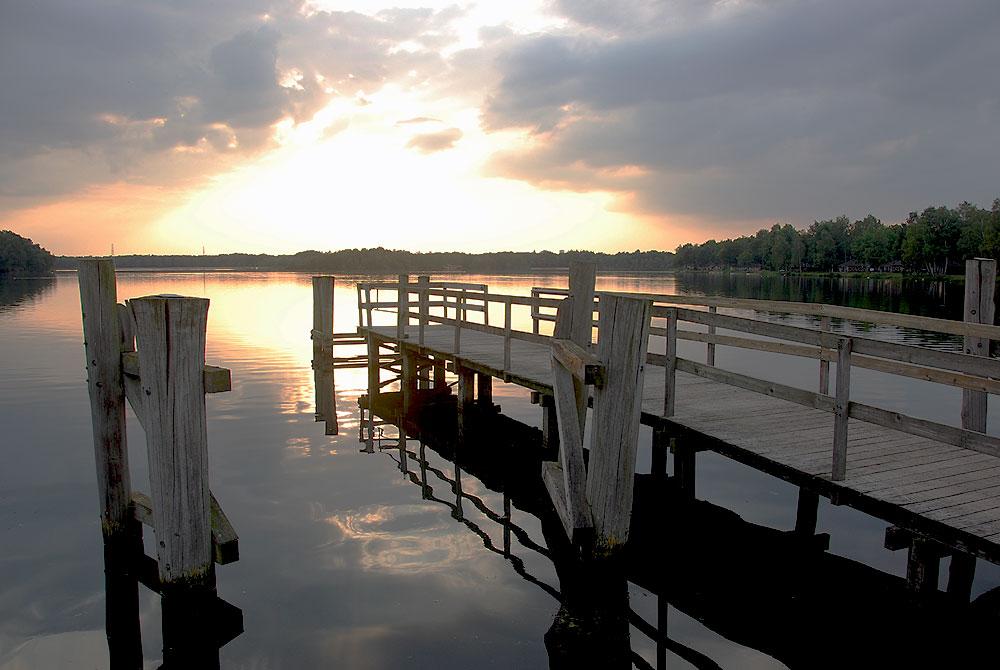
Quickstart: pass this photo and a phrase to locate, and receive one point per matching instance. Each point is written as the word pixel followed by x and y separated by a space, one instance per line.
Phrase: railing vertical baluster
pixel 824 365
pixel 402 306
pixel 458 326
pixel 422 283
pixel 980 280
pixel 841 409
pixel 670 371
pixel 710 355
pixel 506 338
pixel 534 311
pixel 368 304
pixel 361 319
pixel 486 305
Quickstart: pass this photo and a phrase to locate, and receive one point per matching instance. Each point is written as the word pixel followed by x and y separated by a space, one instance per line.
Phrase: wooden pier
pixel 939 485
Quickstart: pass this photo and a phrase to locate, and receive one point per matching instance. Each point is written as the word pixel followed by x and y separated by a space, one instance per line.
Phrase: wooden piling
pixel 170 336
pixel 980 283
pixel 806 513
pixel 824 365
pixel 582 279
pixel 322 337
pixel 408 378
pixel 961 574
pixel 466 390
pixel 923 564
pixel 670 366
pixel 423 286
pixel 484 386
pixel 103 347
pixel 710 349
pixel 622 345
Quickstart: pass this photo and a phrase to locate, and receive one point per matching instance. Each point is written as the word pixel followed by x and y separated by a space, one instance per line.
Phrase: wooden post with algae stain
pixel 170 337
pixel 622 341
pixel 102 344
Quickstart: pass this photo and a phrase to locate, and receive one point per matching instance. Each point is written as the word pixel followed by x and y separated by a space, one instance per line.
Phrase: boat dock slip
pixel 938 484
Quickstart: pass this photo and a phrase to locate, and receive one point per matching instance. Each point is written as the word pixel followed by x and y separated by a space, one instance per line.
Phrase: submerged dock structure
pixel 937 485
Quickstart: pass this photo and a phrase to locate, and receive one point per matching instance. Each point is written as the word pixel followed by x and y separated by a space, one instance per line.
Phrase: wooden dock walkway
pixel 938 485
pixel 909 480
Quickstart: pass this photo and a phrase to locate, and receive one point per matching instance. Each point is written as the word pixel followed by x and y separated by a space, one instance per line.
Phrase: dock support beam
pixel 170 336
pixel 922 565
pixel 408 378
pixel 980 283
pixel 103 347
pixel 961 574
pixel 660 446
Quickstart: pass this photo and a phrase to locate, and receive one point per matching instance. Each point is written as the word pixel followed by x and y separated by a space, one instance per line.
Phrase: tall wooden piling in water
pixel 170 337
pixel 322 338
pixel 102 345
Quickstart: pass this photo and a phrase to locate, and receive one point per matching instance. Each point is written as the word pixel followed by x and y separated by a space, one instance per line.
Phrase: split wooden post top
pixel 623 335
pixel 170 338
pixel 103 347
pixel 582 279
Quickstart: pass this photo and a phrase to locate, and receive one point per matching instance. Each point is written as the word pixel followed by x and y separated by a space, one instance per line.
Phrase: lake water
pixel 342 561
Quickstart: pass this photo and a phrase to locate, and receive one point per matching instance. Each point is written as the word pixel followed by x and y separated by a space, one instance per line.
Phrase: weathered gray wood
pixel 582 280
pixel 670 366
pixel 563 330
pixel 402 305
pixel 914 321
pixel 824 365
pixel 947 360
pixel 423 285
pixel 710 348
pixel 374 370
pixel 507 327
pixel 980 283
pixel 574 475
pixel 225 541
pixel 102 341
pixel 322 336
pixel 214 378
pixel 170 337
pixel 582 364
pixel 841 408
pixel 623 337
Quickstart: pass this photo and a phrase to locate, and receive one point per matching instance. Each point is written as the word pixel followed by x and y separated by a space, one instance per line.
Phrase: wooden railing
pixel 972 370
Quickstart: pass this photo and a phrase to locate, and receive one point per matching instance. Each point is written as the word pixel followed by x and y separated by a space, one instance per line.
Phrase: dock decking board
pixel 907 480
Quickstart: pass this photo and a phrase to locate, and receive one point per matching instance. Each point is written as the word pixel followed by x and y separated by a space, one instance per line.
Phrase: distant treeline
pixel 389 261
pixel 19 256
pixel 935 241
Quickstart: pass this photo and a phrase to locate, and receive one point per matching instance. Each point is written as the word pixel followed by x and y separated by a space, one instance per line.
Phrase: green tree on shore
pixel 20 256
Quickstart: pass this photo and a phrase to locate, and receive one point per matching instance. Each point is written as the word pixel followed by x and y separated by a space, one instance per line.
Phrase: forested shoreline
pixel 20 257
pixel 933 242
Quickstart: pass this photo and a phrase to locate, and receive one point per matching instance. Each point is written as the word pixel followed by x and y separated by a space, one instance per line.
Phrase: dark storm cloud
pixel 761 110
pixel 97 91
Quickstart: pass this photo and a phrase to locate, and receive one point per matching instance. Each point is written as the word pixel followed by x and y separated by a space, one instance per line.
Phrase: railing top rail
pixel 927 323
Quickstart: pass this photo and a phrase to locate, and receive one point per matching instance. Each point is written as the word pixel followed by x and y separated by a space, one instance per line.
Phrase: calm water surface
pixel 342 562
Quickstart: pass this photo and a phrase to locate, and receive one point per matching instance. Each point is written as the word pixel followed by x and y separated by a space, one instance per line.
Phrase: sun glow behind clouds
pixel 347 179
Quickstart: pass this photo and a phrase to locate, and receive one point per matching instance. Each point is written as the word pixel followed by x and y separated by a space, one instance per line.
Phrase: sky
pixel 279 125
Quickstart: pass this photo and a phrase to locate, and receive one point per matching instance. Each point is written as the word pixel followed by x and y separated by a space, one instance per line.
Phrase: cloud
pixel 144 92
pixel 748 111
pixel 441 140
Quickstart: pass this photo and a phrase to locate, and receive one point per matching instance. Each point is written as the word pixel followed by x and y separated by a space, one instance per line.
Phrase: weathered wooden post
pixel 582 280
pixel 710 349
pixel 423 286
pixel 170 334
pixel 623 335
pixel 841 409
pixel 322 337
pixel 466 392
pixel 980 283
pixel 103 347
pixel 402 307
pixel 484 389
pixel 670 365
pixel 824 365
